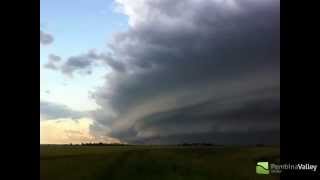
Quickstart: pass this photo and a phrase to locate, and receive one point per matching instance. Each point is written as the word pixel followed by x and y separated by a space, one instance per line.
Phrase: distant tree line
pixel 102 144
pixel 211 144
pixel 197 144
pixel 120 144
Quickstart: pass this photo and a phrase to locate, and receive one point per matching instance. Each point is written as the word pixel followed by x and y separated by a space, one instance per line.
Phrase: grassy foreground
pixel 153 162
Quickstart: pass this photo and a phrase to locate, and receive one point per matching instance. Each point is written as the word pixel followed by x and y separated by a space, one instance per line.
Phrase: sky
pixel 160 71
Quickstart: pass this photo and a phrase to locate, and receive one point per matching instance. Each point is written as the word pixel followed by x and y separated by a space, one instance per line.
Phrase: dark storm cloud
pixel 49 110
pixel 232 115
pixel 45 38
pixel 196 70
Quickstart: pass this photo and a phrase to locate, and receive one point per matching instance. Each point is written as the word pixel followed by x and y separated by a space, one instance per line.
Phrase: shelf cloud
pixel 190 71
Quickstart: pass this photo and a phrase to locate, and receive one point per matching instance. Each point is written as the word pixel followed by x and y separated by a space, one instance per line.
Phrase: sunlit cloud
pixel 65 131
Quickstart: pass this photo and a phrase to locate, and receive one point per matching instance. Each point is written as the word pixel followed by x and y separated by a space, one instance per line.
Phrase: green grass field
pixel 153 162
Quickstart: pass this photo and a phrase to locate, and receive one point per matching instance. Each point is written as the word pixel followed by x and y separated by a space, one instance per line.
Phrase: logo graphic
pixel 262 168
